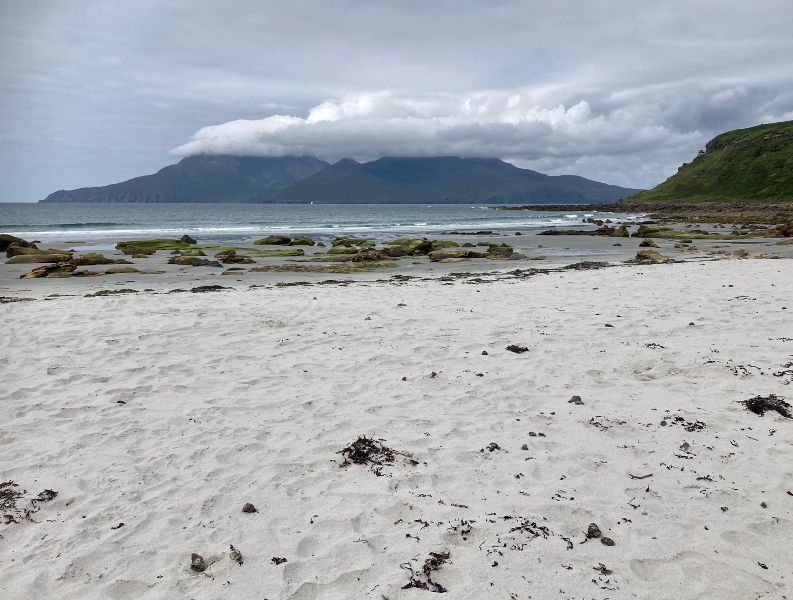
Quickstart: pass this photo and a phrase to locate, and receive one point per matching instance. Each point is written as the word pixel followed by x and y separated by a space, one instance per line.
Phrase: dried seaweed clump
pixel 423 579
pixel 373 453
pixel 760 404
pixel 13 504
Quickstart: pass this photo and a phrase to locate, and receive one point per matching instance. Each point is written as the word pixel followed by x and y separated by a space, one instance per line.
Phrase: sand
pixel 168 412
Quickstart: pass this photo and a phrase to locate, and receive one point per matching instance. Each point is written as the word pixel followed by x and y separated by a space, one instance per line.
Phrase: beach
pixel 157 416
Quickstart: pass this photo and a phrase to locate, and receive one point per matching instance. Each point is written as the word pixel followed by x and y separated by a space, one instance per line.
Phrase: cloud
pixel 588 132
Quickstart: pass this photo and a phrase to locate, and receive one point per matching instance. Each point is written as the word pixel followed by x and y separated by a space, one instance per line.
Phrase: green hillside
pixel 754 164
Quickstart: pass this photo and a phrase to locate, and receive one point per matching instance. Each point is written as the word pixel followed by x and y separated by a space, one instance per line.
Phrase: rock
pixel 518 233
pixel 120 270
pixel 645 231
pixel 235 555
pixel 192 261
pixel 499 251
pixel 593 531
pixel 320 244
pixel 469 245
pixel 369 255
pixel 230 257
pixel 347 242
pixel 413 246
pixel 303 240
pixel 394 251
pixel 197 563
pixel 186 239
pixel 97 258
pixel 6 240
pixel 650 256
pixel 606 541
pixel 273 240
pixel 441 244
pixel 446 253
pixel 517 349
pixel 648 243
pixel 484 352
pixel 249 508
pixel 575 400
pixel 343 250
pixel 16 250
pixel 190 252
pixel 38 258
pixel 621 231
pixel 524 447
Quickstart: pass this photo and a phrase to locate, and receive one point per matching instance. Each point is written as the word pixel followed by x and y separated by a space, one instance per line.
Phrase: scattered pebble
pixel 593 531
pixel 197 563
pixel 575 400
pixel 249 508
pixel 606 541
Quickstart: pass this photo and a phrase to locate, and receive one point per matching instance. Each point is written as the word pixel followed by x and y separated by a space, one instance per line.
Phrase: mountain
pixel 745 165
pixel 445 179
pixel 203 179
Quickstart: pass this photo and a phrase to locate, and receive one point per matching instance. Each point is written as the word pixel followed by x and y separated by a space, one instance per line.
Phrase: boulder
pixel 303 240
pixel 17 250
pixel 342 250
pixel 621 231
pixel 190 252
pixel 6 240
pixel 230 257
pixel 370 255
pixel 97 258
pixel 38 258
pixel 651 256
pixel 447 253
pixel 192 261
pixel 441 244
pixel 648 243
pixel 347 242
pixel 413 246
pixel 186 239
pixel 273 240
pixel 645 231
pixel 499 251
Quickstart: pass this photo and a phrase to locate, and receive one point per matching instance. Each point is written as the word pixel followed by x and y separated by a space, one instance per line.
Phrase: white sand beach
pixel 168 412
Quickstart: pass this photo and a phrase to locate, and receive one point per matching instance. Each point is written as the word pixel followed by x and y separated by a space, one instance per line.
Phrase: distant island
pixel 391 180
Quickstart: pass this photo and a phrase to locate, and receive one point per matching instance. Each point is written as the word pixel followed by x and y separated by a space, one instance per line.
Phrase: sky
pixel 622 91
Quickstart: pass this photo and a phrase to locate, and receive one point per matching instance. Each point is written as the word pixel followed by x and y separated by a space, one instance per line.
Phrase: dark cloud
pixel 92 92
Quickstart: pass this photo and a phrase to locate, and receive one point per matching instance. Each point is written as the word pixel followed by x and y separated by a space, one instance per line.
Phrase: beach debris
pixel 760 404
pixel 606 541
pixel 13 502
pixel 640 476
pixel 602 569
pixel 593 531
pixel 491 447
pixel 423 579
pixel 576 400
pixel 101 293
pixel 249 508
pixel 197 563
pixel 208 288
pixel 373 453
pixel 277 560
pixel 654 346
pixel 517 349
pixel 235 554
pixel 119 526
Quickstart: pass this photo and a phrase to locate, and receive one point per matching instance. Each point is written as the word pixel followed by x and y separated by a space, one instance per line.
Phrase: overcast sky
pixel 622 91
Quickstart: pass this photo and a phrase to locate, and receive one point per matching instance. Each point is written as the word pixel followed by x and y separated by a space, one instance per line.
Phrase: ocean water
pixel 242 223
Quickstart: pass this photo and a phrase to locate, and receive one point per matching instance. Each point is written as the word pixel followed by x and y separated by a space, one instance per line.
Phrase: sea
pixel 101 225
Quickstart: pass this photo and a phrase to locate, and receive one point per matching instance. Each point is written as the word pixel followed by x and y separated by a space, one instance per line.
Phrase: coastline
pixel 168 412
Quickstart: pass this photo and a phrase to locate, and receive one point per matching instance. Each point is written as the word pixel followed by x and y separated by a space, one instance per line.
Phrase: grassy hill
pixel 753 165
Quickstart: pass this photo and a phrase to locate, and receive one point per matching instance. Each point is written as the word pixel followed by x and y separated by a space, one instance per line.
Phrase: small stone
pixel 532 434
pixel 484 352
pixel 249 508
pixel 663 423
pixel 197 563
pixel 277 560
pixel 593 531
pixel 236 555
pixel 764 505
pixel 606 541
pixel 575 400
pixel 524 447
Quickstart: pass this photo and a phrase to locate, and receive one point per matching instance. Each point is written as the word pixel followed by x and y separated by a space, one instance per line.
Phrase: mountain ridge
pixel 445 179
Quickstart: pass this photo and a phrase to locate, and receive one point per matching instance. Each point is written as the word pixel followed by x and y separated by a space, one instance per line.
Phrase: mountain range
pixel 303 179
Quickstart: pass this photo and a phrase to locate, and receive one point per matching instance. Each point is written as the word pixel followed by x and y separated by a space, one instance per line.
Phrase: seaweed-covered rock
pixel 186 239
pixel 441 244
pixel 451 253
pixel 303 240
pixel 192 261
pixel 273 240
pixel 369 255
pixel 413 246
pixel 230 257
pixel 648 243
pixel 191 252
pixel 97 258
pixel 16 250
pixel 621 231
pixel 342 250
pixel 499 251
pixel 38 258
pixel 651 256
pixel 6 240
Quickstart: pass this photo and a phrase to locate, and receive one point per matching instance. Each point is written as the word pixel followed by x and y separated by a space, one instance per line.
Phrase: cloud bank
pixel 553 129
